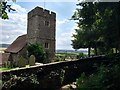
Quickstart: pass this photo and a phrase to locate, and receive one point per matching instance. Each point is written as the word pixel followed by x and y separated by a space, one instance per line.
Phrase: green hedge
pixel 106 77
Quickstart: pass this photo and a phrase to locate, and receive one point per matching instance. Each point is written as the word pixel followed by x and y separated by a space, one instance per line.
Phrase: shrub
pixel 106 77
pixel 21 82
pixel 38 51
pixel 80 55
pixel 7 64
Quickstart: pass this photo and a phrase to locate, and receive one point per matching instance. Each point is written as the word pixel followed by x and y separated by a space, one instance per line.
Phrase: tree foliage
pixel 98 24
pixel 4 8
pixel 38 51
pixel 106 77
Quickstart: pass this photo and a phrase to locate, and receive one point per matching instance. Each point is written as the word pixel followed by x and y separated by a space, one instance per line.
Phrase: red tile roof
pixel 17 45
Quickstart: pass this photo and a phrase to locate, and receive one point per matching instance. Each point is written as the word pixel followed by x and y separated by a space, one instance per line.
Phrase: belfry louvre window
pixel 47 23
pixel 46 45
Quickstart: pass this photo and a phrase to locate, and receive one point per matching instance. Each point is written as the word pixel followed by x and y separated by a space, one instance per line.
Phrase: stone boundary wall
pixel 50 74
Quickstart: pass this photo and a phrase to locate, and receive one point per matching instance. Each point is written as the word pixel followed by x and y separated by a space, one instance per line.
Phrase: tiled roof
pixel 4 57
pixel 17 45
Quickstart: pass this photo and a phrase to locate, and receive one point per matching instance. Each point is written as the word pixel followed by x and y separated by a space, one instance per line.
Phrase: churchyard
pixel 31 60
pixel 70 56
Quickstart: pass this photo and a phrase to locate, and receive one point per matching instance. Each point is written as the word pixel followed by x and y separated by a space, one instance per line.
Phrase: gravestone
pixel 22 62
pixel 32 60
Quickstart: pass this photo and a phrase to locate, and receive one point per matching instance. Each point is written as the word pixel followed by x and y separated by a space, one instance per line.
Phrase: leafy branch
pixel 4 7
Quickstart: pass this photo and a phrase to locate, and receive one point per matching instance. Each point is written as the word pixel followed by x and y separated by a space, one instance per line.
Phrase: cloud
pixel 18 8
pixel 64 35
pixel 46 0
pixel 15 26
pixel 59 22
pixel 63 41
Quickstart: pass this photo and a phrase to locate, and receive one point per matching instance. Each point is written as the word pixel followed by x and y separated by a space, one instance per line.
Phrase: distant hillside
pixel 70 51
pixel 4 45
pixel 57 51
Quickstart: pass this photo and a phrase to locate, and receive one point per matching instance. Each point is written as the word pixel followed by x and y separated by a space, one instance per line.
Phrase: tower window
pixel 46 45
pixel 47 23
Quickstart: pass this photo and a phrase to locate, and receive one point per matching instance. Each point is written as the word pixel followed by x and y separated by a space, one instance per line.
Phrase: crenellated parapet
pixel 41 12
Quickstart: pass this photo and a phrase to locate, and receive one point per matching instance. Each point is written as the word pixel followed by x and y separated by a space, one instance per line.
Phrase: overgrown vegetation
pixel 68 56
pixel 53 80
pixel 15 82
pixel 38 51
pixel 98 27
pixel 106 77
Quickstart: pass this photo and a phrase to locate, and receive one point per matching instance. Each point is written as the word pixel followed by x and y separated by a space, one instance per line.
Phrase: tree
pixel 98 24
pixel 86 18
pixel 4 7
pixel 109 26
pixel 38 51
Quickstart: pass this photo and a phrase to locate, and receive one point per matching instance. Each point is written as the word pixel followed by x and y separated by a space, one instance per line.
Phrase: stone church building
pixel 41 28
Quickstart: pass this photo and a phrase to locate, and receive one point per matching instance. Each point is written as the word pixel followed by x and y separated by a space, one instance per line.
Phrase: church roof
pixel 17 45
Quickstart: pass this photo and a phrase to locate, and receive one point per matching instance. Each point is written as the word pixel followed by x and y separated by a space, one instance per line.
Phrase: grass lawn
pixel 3 69
pixel 68 54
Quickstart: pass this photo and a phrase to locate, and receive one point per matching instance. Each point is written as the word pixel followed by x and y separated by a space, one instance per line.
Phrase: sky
pixel 16 25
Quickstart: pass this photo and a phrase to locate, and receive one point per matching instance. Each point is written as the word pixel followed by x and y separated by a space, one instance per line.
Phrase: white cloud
pixel 18 8
pixel 15 26
pixel 64 37
pixel 59 22
pixel 46 0
pixel 63 41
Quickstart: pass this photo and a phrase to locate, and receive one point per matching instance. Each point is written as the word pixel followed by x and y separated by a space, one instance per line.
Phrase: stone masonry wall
pixel 42 28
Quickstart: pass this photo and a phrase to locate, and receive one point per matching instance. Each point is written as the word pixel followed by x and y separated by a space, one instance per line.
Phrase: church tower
pixel 41 28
